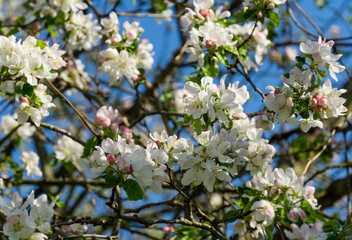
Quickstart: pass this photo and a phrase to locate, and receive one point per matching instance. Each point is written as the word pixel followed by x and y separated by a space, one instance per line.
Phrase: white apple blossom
pixel 263 214
pixel 118 64
pixel 331 99
pixel 70 150
pixel 306 232
pixel 16 206
pixel 83 32
pixel 31 162
pixel 67 5
pixel 321 53
pixel 29 60
pixel 42 212
pixel 298 79
pixel 37 236
pixel 19 226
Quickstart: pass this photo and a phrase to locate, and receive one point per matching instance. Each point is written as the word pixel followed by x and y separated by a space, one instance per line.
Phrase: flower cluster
pixel 83 33
pixel 130 160
pixel 218 102
pixel 69 150
pixel 30 60
pixel 301 95
pixel 35 105
pixel 127 55
pixel 9 123
pixel 27 224
pixel 258 41
pixel 282 193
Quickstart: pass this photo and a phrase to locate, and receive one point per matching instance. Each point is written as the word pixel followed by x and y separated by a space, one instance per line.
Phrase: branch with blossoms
pixel 108 145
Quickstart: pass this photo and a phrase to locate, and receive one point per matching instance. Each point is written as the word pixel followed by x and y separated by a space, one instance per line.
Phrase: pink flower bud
pixel 169 228
pixel 277 91
pixel 271 5
pixel 128 170
pixel 127 133
pixel 114 127
pixel 102 121
pixel 210 43
pixel 24 100
pixel 204 13
pixel 111 159
pixel 115 38
pixel 250 6
pixel 259 15
pixel 135 78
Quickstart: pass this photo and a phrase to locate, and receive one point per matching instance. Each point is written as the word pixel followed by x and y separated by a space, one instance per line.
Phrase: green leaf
pixel 270 231
pixel 13 31
pixel 52 31
pixel 60 204
pixel 27 90
pixel 231 49
pixel 300 59
pixel 70 168
pixel 187 119
pixel 89 147
pixel 332 226
pixel 274 18
pixel 20 20
pixel 133 190
pixel 197 126
pixel 41 44
pixel 112 181
pixel 222 58
pixel 304 114
pixel 212 70
pixel 60 18
pixel 1 93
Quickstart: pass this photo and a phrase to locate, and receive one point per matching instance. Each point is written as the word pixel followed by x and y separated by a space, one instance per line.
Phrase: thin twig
pixel 81 116
pixel 62 131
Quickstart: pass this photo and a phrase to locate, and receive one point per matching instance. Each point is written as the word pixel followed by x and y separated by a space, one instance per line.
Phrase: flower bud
pixel 271 5
pixel 111 159
pixel 115 38
pixel 24 100
pixel 259 15
pixel 204 13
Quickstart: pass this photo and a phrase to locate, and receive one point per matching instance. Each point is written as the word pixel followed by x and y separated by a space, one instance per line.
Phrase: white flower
pixel 42 212
pixel 263 212
pixel 16 206
pixel 99 163
pixel 26 131
pixel 321 53
pixel 298 79
pixel 19 226
pixel 25 111
pixel 74 5
pixel 110 23
pixel 308 123
pixel 334 103
pixel 8 123
pixel 83 32
pixel 68 149
pixel 305 232
pixel 31 162
pixel 37 236
pixel 215 34
pixel 118 64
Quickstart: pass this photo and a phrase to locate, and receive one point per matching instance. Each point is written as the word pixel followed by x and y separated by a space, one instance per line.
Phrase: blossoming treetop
pixel 90 124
